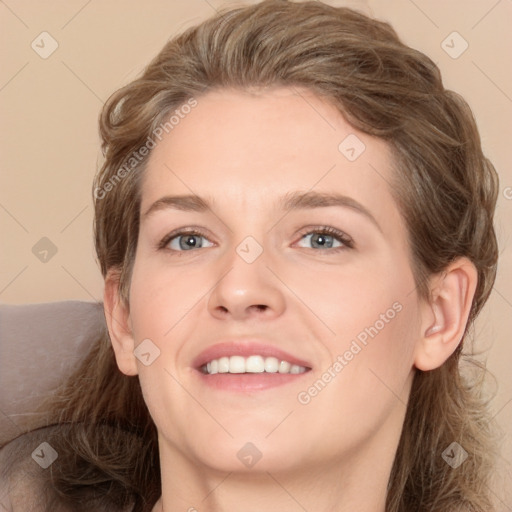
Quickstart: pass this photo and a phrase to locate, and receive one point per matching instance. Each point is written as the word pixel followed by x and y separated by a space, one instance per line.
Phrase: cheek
pixel 373 319
pixel 373 357
pixel 356 298
pixel 365 388
pixel 161 301
pixel 162 298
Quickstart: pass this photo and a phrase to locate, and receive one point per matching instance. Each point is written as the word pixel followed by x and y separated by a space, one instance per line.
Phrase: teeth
pixel 237 364
pixel 251 364
pixel 271 364
pixel 284 367
pixel 224 365
pixel 255 364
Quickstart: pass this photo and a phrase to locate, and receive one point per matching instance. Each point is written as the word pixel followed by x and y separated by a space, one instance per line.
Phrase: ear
pixel 445 316
pixel 117 314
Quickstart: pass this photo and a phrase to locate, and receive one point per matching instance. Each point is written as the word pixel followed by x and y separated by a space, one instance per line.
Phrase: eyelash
pixel 347 242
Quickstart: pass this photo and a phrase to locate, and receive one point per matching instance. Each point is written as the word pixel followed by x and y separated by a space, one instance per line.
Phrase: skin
pixel 244 150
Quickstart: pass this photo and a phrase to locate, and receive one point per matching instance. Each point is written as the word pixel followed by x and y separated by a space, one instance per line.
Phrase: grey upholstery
pixel 39 346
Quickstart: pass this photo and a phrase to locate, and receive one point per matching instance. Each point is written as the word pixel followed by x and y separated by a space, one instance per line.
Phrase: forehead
pixel 249 147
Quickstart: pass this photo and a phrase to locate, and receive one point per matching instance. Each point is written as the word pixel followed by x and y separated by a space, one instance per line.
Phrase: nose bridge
pixel 247 286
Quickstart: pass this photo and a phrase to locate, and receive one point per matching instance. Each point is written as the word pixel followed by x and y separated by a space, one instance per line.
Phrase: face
pixel 272 255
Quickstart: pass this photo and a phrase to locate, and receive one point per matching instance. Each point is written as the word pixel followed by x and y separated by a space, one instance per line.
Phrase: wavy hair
pixel 444 186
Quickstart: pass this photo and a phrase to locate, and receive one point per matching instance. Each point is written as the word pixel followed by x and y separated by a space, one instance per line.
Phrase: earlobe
pixel 118 322
pixel 445 316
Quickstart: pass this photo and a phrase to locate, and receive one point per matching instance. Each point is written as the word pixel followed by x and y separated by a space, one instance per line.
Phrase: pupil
pixel 188 242
pixel 322 240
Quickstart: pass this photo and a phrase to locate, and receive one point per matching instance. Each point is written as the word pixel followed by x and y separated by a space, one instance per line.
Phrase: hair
pixel 444 186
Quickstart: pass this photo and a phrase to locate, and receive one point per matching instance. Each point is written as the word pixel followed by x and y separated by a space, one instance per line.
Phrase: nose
pixel 246 290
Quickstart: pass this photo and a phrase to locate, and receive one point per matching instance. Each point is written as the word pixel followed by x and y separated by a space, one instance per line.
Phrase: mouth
pixel 251 364
pixel 246 365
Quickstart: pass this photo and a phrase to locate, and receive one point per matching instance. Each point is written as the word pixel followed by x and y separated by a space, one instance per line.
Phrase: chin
pixel 249 454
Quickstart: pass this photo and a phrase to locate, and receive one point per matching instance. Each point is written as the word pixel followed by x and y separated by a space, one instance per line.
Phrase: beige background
pixel 49 143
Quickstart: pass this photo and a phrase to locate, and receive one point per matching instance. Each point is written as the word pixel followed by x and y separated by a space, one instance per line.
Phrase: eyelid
pixel 191 230
pixel 344 238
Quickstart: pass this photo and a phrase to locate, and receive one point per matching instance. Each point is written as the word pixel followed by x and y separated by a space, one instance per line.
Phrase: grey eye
pixel 188 241
pixel 321 240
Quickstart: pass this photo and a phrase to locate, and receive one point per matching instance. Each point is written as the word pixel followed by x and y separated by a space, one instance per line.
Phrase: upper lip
pixel 245 348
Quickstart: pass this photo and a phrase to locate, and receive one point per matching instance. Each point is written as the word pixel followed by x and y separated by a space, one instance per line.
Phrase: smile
pixel 252 364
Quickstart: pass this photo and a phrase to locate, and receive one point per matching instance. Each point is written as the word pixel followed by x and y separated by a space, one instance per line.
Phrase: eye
pixel 185 241
pixel 326 238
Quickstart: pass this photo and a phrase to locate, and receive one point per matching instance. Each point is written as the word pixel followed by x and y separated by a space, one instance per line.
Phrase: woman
pixel 294 221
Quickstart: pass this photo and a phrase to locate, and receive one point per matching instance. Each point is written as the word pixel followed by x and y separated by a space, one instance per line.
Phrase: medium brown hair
pixel 446 190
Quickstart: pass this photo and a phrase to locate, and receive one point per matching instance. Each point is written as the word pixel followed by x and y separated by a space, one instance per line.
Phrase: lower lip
pixel 243 382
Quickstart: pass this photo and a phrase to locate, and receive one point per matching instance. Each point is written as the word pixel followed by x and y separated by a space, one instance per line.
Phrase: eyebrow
pixel 289 202
pixel 186 203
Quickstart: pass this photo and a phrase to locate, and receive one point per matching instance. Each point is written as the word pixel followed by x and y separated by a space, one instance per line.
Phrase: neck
pixel 359 483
